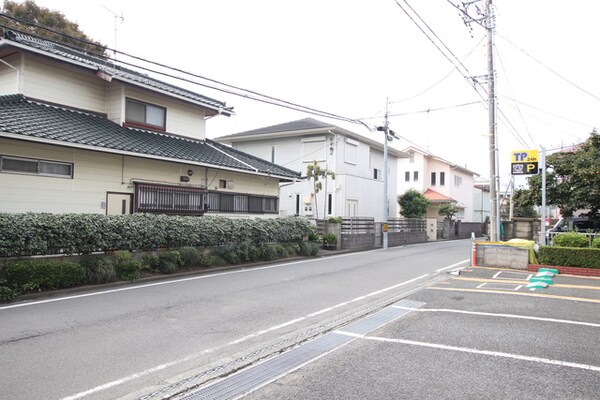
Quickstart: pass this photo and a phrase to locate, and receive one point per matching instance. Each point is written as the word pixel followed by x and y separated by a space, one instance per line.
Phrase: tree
pixel 413 204
pixel 30 13
pixel 447 210
pixel 522 205
pixel 572 180
pixel 315 173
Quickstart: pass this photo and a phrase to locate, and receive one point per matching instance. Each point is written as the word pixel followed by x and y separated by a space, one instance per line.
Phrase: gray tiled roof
pixel 34 120
pixel 114 69
pixel 299 125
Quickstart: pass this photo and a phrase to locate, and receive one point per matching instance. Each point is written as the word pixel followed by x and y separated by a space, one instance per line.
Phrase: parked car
pixel 577 224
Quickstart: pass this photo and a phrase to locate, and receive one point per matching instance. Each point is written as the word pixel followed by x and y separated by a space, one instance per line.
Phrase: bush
pixel 313 237
pixel 125 266
pixel 329 238
pixel 169 262
pixel 98 269
pixel 596 243
pixel 41 274
pixel 7 294
pixel 150 261
pixel 335 220
pixel 269 253
pixel 570 239
pixel 308 249
pixel 190 256
pixel 44 233
pixel 570 257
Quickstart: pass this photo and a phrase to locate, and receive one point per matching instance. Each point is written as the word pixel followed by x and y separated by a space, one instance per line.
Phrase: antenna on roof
pixel 117 16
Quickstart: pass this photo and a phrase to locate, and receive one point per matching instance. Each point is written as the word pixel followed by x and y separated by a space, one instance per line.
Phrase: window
pixel 407 176
pixel 351 151
pixel 442 178
pixel 433 179
pixel 416 176
pixel 169 199
pixel 32 166
pixel 273 154
pixel 377 174
pixel 329 204
pixel 225 184
pixel 219 202
pixel 145 115
pixel 457 180
pixel 313 149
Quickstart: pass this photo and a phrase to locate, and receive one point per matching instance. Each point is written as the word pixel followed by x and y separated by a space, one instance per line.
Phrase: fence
pixel 589 235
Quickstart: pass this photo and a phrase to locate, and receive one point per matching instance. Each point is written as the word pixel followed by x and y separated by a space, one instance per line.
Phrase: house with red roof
pixel 439 180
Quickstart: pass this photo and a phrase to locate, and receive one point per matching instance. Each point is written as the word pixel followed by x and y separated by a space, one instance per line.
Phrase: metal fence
pixel 589 235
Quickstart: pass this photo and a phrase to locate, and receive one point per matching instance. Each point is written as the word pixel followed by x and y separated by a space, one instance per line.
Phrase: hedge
pixel 43 233
pixel 570 257
pixel 30 275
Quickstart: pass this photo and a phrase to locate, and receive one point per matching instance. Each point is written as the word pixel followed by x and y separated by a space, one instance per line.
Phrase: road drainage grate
pixel 252 378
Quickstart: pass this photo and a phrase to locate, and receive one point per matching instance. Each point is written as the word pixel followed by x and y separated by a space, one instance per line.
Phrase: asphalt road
pixel 154 339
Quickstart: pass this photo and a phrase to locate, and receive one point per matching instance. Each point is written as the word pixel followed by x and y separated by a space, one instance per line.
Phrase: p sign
pixel 524 162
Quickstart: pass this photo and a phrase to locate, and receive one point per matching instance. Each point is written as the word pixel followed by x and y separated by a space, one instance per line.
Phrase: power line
pixel 548 112
pixel 221 86
pixel 550 69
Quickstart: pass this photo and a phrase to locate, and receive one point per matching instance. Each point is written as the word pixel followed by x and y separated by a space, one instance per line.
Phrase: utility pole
pixel 493 140
pixel 385 176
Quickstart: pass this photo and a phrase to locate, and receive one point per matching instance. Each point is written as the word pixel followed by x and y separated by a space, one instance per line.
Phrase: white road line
pixel 475 351
pixel 561 321
pixel 233 342
pixel 144 286
pixel 453 265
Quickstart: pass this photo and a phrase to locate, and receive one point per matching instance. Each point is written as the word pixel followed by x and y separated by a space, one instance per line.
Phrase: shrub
pixel 125 266
pixel 7 294
pixel 150 261
pixel 42 274
pixel 596 243
pixel 570 239
pixel 329 238
pixel 190 256
pixel 313 237
pixel 98 269
pixel 570 257
pixel 335 220
pixel 269 253
pixel 308 249
pixel 169 262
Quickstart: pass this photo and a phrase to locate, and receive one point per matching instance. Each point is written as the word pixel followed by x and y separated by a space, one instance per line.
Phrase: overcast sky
pixel 347 56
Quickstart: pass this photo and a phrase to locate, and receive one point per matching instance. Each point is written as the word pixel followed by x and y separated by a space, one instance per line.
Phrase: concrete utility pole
pixel 385 175
pixel 493 141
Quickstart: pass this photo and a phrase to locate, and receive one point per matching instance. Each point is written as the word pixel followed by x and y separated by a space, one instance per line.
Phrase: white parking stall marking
pixel 499 286
pixel 476 351
pixel 512 275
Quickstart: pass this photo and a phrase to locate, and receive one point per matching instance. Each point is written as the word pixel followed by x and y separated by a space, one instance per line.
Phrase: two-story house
pixel 440 181
pixel 356 160
pixel 81 133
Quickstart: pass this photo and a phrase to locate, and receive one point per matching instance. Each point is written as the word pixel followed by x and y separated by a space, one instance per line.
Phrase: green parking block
pixel 543 279
pixel 544 273
pixel 537 285
pixel 553 270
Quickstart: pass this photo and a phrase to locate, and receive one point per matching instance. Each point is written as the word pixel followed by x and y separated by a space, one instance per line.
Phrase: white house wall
pixel 97 173
pixel 9 77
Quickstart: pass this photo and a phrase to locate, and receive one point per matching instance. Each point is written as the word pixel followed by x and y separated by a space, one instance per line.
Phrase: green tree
pixel 447 210
pixel 315 173
pixel 30 13
pixel 413 204
pixel 572 180
pixel 522 204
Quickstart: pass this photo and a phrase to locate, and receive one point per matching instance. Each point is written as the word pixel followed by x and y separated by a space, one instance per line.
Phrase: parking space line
pixel 541 295
pixel 498 274
pixel 499 286
pixel 476 351
pixel 517 282
pixel 499 315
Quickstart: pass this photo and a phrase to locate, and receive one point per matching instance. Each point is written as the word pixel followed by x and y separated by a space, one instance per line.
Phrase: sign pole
pixel 542 238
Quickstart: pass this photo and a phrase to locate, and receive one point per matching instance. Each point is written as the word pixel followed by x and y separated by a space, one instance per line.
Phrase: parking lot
pixel 479 334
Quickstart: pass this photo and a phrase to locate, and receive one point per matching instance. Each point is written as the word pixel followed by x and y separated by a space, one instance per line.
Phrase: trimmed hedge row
pixel 570 256
pixel 43 233
pixel 24 276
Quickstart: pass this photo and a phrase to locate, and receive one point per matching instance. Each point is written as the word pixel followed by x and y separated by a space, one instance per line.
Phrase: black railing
pixel 241 203
pixel 166 199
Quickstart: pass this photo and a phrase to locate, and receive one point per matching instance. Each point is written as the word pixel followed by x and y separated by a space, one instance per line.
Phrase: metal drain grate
pixel 250 379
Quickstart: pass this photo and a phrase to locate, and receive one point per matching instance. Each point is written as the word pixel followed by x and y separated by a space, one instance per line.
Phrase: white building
pixel 441 181
pixel 356 160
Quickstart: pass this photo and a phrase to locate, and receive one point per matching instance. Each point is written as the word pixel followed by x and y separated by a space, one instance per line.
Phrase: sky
pixel 352 57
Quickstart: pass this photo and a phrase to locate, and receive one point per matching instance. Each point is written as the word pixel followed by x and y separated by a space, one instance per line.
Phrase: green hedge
pixel 570 257
pixel 43 233
pixel 29 275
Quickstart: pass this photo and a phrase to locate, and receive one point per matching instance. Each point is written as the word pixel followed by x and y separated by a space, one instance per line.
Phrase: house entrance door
pixel 351 208
pixel 118 203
